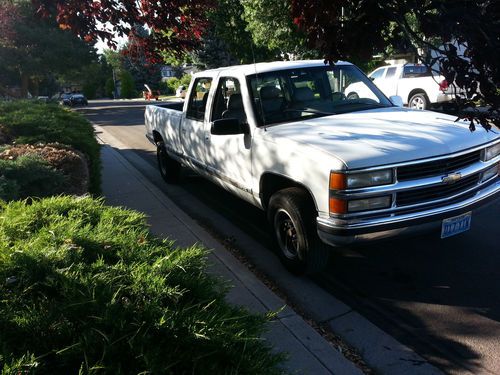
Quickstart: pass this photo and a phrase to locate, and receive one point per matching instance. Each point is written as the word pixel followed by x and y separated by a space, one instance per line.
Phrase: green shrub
pixel 109 88
pixel 29 176
pixel 127 85
pixel 171 84
pixel 34 122
pixel 90 89
pixel 85 288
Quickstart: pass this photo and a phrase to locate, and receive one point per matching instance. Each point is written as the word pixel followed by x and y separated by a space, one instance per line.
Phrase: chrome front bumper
pixel 337 232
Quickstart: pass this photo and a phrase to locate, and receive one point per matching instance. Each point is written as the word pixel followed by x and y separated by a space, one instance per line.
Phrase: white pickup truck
pixel 414 83
pixel 328 170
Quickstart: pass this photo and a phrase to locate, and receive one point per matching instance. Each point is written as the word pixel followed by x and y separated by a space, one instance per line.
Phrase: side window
pixel 228 100
pixel 390 72
pixel 414 71
pixel 198 99
pixel 377 73
pixel 268 98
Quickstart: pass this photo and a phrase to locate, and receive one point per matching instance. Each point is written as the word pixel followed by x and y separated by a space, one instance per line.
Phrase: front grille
pixel 438 167
pixel 409 197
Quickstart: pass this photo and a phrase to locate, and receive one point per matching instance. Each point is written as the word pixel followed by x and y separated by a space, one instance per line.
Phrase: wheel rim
pixel 418 103
pixel 286 234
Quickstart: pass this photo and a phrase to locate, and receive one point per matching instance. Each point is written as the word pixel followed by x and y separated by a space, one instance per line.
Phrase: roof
pixel 269 66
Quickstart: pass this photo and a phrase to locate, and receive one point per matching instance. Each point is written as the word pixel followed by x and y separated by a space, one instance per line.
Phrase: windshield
pixel 299 94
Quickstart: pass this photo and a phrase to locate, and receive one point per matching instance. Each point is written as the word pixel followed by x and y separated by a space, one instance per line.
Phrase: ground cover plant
pixel 29 176
pixel 31 122
pixel 84 288
pixel 42 171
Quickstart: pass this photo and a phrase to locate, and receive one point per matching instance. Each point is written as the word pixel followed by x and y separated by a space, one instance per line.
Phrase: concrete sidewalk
pixel 309 352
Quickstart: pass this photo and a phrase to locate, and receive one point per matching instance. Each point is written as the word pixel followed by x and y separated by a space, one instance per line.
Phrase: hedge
pixel 85 288
pixel 33 122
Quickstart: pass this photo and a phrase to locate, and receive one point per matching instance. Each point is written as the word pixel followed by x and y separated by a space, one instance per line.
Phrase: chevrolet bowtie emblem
pixel 451 178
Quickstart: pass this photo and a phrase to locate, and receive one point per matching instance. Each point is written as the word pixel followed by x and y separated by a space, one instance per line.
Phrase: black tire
pixel 293 219
pixel 418 101
pixel 170 169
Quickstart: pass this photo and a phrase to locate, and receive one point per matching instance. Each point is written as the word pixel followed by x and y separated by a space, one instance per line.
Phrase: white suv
pixel 414 83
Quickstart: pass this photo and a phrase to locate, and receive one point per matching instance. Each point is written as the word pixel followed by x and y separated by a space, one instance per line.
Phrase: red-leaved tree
pixel 177 24
pixel 9 16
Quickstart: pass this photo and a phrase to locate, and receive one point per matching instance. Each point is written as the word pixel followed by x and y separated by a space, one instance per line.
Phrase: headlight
pixel 369 204
pixel 492 152
pixel 341 181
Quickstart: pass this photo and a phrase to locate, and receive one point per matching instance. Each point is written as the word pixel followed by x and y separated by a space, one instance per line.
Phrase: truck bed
pixel 166 120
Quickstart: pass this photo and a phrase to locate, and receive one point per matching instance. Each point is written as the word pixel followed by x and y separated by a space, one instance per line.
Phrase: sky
pixel 101 45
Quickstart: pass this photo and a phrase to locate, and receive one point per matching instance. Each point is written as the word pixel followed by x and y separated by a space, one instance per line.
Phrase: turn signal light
pixel 338 181
pixel 338 206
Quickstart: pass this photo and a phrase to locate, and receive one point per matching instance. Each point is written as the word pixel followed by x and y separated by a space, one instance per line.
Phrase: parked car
pixel 414 83
pixel 78 99
pixel 328 169
pixel 181 92
pixel 43 98
pixel 64 98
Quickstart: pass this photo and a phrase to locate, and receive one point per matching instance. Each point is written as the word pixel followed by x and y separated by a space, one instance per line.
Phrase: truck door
pixel 193 130
pixel 229 156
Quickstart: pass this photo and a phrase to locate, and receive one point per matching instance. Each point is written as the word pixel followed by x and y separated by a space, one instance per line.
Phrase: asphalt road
pixel 439 297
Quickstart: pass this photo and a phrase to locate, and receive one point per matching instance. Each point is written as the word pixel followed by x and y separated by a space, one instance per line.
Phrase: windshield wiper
pixel 314 111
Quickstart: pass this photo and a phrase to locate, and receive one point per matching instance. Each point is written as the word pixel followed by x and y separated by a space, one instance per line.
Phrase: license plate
pixel 455 225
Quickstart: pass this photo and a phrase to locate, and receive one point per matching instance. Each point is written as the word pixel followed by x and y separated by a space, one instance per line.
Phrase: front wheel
pixel 170 169
pixel 293 219
pixel 418 101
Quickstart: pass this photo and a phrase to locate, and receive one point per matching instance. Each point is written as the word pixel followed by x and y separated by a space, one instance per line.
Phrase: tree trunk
pixel 25 80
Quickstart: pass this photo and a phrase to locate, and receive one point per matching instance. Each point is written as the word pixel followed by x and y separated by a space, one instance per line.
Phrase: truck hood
pixel 382 136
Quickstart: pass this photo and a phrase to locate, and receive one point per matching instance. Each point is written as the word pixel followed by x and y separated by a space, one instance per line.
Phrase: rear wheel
pixel 293 219
pixel 418 101
pixel 170 169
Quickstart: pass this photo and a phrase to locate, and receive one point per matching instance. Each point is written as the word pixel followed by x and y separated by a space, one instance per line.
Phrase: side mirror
pixel 229 126
pixel 396 100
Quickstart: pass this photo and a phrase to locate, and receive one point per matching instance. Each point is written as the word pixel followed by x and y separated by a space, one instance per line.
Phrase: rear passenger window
pixel 198 99
pixel 414 71
pixel 228 102
pixel 390 72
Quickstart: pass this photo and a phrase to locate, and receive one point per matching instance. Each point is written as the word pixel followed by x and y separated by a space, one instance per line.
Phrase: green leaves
pixel 33 122
pixel 95 292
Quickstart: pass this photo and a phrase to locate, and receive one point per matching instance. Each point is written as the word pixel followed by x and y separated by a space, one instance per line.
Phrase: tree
pixel 178 25
pixel 230 28
pixel 225 41
pixel 110 88
pixel 33 50
pixel 134 59
pixel 271 26
pixel 127 85
pixel 460 36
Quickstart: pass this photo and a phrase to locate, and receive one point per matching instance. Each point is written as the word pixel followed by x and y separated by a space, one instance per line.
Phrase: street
pixel 439 297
